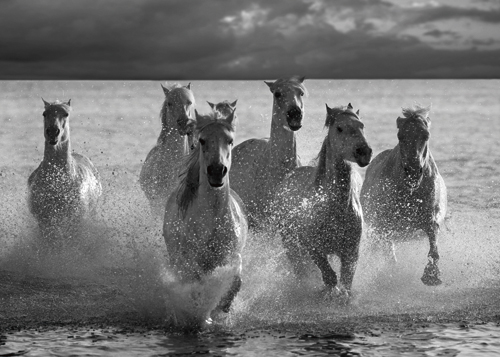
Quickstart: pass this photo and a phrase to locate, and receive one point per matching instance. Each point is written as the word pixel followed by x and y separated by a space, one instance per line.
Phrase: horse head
pixel 55 121
pixel 215 136
pixel 225 108
pixel 346 135
pixel 178 106
pixel 288 105
pixel 413 136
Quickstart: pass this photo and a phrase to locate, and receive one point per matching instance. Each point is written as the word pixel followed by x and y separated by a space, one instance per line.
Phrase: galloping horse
pixel 65 187
pixel 224 107
pixel 205 224
pixel 259 165
pixel 318 207
pixel 159 173
pixel 403 190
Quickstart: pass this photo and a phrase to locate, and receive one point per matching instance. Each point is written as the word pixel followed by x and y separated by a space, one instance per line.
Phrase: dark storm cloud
pixel 178 39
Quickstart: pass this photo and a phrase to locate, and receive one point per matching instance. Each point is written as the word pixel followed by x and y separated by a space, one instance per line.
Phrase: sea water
pixel 103 292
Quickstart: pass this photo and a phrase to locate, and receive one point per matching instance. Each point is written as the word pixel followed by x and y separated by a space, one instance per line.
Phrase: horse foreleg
pixel 432 274
pixel 327 273
pixel 226 301
pixel 295 256
pixel 347 270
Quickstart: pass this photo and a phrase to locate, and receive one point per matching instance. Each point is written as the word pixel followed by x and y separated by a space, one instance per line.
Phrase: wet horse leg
pixel 432 274
pixel 226 301
pixel 327 273
pixel 295 256
pixel 347 270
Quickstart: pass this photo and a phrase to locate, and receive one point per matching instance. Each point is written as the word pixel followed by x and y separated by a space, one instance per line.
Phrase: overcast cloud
pixel 230 39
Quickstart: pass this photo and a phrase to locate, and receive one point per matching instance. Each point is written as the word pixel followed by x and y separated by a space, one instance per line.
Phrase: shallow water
pixel 106 288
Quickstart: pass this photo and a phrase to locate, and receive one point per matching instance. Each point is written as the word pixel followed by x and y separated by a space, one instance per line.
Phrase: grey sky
pixel 233 39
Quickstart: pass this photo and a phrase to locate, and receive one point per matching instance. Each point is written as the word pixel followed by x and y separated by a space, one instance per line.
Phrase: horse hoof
pixel 431 275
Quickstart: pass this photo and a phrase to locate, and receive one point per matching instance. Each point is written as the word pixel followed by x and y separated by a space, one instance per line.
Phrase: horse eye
pixel 169 104
pixel 339 129
pixel 277 95
pixel 230 142
pixel 301 94
pixel 202 142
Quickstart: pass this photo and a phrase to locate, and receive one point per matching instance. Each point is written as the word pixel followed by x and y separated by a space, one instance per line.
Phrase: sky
pixel 237 39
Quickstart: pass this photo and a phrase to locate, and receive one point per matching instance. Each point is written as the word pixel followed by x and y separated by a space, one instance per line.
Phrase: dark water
pixel 103 292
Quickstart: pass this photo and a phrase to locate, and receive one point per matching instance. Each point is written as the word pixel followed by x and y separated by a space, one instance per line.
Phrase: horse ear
pixel 302 78
pixel 165 90
pixel 328 109
pixel 47 104
pixel 230 118
pixel 189 86
pixel 399 122
pixel 233 104
pixel 212 105
pixel 357 113
pixel 349 106
pixel 68 103
pixel 270 85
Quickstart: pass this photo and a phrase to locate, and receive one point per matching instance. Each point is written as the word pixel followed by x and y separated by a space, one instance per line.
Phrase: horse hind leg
pixel 432 274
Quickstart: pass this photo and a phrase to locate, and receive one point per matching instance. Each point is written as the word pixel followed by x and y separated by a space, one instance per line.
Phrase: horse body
pixel 261 164
pixel 318 207
pixel 159 173
pixel 65 187
pixel 205 224
pixel 403 191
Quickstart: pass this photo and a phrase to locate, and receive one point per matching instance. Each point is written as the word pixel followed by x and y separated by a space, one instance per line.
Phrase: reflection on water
pixel 437 340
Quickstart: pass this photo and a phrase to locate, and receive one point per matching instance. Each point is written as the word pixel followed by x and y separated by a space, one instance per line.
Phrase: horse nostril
pixel 53 132
pixel 294 114
pixel 217 171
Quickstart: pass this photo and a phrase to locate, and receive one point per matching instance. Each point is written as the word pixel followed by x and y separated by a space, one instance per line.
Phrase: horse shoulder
pixel 439 191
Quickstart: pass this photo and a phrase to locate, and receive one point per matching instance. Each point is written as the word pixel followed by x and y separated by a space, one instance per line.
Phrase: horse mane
pixel 416 112
pixel 296 82
pixel 189 178
pixel 332 114
pixel 59 104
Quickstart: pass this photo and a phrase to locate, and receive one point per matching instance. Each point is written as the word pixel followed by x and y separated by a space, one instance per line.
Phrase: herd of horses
pixel 317 210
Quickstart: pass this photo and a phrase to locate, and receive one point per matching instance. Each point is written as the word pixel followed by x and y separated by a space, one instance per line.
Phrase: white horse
pixel 404 192
pixel 318 207
pixel 205 225
pixel 224 107
pixel 159 173
pixel 259 165
pixel 65 187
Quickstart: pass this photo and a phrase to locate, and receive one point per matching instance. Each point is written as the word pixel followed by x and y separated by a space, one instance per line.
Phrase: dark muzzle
pixel 363 155
pixel 294 118
pixel 216 173
pixel 52 134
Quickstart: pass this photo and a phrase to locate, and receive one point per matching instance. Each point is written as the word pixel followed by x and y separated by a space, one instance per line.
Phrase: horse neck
pixel 169 135
pixel 282 141
pixel 59 156
pixel 333 174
